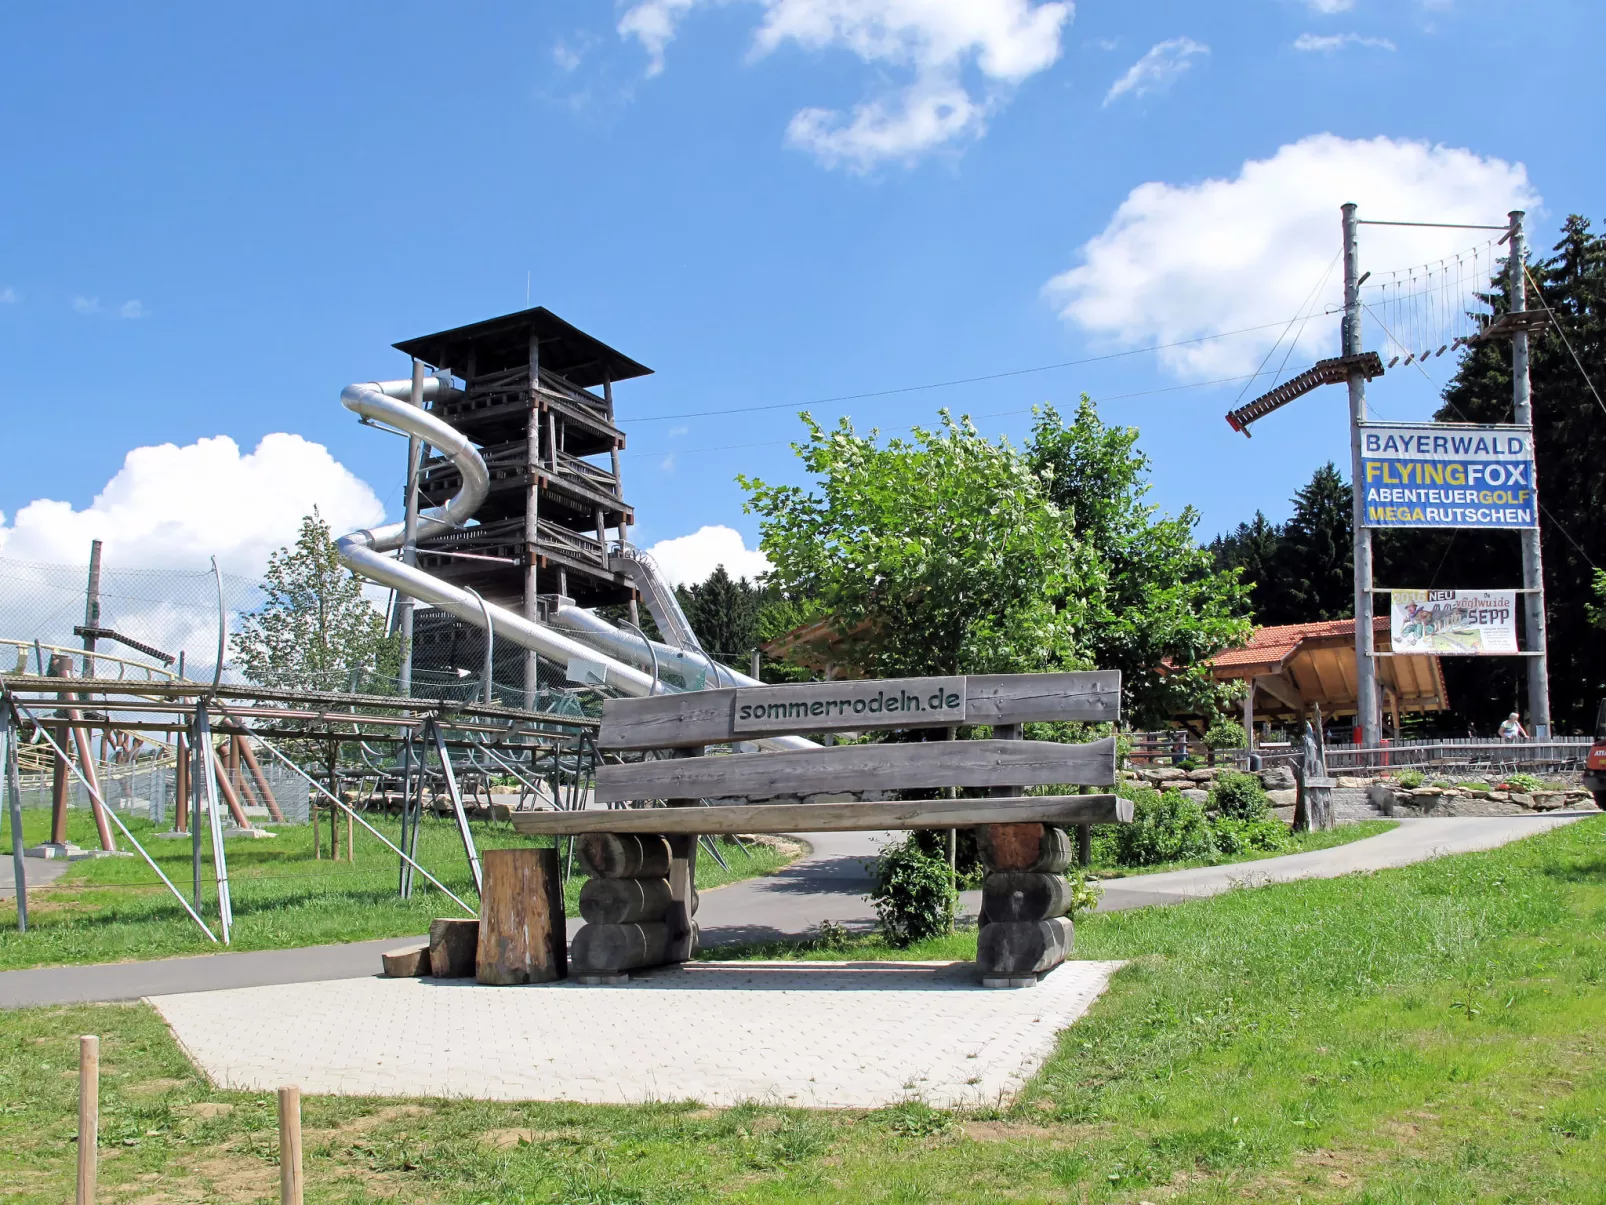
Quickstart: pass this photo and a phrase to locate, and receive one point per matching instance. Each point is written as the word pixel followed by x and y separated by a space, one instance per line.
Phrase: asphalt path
pixel 829 883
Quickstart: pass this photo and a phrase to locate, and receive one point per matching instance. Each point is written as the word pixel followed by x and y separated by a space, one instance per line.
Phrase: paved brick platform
pixel 843 1035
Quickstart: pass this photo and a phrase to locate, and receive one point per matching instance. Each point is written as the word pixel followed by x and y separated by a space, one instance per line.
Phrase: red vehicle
pixel 1595 767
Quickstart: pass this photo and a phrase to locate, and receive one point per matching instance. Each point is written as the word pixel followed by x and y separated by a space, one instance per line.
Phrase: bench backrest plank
pixel 882 767
pixel 714 717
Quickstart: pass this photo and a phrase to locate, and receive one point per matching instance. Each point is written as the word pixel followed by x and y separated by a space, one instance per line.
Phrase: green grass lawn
pixel 1299 843
pixel 1429 1035
pixel 115 909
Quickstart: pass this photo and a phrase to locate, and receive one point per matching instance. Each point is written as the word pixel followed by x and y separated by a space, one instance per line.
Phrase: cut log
pixel 623 855
pixel 1037 847
pixel 623 901
pixel 522 937
pixel 1025 895
pixel 610 949
pixel 453 943
pixel 683 896
pixel 1008 948
pixel 410 962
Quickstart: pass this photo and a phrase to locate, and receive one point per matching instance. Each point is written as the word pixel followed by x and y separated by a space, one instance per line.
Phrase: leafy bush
pixel 1085 892
pixel 1409 779
pixel 1164 828
pixel 1524 782
pixel 1226 734
pixel 1235 837
pixel 1186 763
pixel 933 842
pixel 913 894
pixel 1239 796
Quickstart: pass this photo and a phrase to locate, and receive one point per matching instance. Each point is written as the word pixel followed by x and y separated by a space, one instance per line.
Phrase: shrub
pixel 933 842
pixel 1239 796
pixel 1164 828
pixel 1235 837
pixel 1409 779
pixel 1085 892
pixel 1226 734
pixel 913 894
pixel 1524 782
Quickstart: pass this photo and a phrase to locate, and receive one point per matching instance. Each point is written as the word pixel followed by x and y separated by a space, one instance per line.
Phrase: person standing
pixel 1512 729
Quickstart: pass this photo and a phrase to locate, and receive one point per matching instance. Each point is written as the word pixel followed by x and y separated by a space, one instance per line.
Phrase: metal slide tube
pixel 361 551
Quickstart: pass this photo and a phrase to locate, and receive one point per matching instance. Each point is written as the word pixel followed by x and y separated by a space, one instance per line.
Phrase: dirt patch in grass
pixel 1009 1131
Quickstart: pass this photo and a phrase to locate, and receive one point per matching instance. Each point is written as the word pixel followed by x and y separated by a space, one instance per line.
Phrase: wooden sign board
pixel 714 717
pixel 906 702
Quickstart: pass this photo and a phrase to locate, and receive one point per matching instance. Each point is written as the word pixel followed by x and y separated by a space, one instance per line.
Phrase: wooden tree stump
pixel 522 936
pixel 453 944
pixel 409 962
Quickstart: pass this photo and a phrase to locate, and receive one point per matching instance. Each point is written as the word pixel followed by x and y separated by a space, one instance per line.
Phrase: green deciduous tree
pixel 940 554
pixel 1164 607
pixel 316 629
pixel 949 553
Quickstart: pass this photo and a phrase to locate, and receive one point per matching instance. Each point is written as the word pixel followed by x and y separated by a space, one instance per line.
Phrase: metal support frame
pixel 94 793
pixel 10 756
pixel 1366 700
pixel 205 786
pixel 1533 571
pixel 432 735
pixel 409 551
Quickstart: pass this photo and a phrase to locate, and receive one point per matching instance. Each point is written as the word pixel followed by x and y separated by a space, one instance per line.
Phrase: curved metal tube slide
pixel 361 551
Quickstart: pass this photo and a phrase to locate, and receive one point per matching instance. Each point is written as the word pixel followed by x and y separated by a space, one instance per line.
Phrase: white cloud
pixel 133 309
pixel 667 464
pixel 1328 43
pixel 673 431
pixel 86 305
pixel 9 296
pixel 1178 261
pixel 171 507
pixel 931 43
pixel 1158 69
pixel 1328 7
pixel 690 559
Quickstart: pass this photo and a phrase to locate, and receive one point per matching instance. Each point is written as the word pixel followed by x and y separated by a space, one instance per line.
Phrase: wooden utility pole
pixel 1366 717
pixel 1533 570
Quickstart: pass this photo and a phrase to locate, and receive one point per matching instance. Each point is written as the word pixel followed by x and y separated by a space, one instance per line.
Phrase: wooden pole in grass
pixel 88 1117
pixel 290 1146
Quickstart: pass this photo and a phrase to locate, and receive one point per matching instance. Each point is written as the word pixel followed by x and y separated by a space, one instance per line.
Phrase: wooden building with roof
pixel 1292 668
pixel 537 399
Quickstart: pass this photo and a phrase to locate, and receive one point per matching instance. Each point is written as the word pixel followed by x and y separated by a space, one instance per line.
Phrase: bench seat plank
pixel 832 817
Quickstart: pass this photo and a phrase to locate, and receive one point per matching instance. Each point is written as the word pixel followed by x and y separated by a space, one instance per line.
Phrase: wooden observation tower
pixel 538 400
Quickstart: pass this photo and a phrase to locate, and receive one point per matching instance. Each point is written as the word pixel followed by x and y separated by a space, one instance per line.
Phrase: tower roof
pixel 499 343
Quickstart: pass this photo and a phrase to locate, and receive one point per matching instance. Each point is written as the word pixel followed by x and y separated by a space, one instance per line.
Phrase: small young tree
pixel 316 628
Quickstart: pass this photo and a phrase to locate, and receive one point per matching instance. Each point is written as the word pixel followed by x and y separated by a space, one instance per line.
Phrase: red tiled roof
pixel 1274 643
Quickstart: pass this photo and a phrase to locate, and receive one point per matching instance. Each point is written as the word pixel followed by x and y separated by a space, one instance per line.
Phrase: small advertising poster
pixel 1454 622
pixel 1447 475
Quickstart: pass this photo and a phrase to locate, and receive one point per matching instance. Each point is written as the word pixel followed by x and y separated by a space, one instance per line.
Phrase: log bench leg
pixel 633 915
pixel 1025 930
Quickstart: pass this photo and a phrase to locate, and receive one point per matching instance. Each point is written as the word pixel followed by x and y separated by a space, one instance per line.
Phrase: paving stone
pixel 837 1035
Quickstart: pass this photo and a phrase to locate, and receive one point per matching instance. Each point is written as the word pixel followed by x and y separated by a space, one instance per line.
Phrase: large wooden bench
pixel 640 902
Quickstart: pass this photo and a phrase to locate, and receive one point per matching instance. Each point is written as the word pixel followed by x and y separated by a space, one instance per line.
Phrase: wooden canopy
pixel 1290 667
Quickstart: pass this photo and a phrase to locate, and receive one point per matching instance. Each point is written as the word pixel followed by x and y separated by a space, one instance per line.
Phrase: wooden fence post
pixel 88 1117
pixel 290 1182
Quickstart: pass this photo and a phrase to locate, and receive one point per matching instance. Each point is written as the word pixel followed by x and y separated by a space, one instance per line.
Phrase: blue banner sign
pixel 1447 475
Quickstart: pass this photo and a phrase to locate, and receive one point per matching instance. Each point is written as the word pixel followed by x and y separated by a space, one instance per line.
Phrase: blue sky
pixel 218 215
